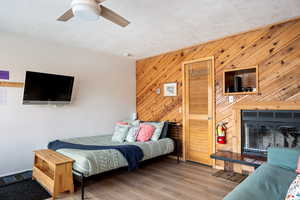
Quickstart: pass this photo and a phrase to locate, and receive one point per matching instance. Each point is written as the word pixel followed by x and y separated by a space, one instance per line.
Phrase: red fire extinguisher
pixel 221 133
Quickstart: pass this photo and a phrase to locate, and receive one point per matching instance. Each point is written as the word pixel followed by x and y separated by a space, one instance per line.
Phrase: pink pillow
pixel 122 123
pixel 145 133
pixel 298 166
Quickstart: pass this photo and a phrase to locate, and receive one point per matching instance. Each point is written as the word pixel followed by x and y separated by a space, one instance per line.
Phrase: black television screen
pixel 42 88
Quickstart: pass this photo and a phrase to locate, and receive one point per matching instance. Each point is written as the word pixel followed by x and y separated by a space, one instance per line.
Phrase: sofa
pixel 271 180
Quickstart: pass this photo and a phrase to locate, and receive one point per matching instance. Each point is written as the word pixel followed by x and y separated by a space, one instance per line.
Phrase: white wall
pixel 104 92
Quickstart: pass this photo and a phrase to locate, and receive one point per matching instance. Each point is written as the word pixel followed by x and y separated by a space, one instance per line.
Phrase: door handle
pixel 209 118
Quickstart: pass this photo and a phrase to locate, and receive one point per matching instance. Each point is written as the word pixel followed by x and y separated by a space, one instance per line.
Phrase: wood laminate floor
pixel 161 179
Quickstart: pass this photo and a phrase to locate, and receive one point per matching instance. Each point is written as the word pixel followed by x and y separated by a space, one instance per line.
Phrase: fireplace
pixel 261 129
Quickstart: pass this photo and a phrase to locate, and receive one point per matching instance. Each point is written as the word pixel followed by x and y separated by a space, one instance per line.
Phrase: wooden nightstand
pixel 53 171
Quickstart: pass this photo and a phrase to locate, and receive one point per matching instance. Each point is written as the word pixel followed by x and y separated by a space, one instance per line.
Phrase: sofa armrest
pixel 283 157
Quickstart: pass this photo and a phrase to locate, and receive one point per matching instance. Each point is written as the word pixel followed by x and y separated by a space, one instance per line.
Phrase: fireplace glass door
pixel 264 129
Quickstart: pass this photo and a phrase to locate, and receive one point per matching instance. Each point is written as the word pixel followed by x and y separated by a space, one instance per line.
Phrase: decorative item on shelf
pixel 237 84
pixel 134 116
pixel 221 133
pixel 170 89
pixel 4 74
pixel 247 89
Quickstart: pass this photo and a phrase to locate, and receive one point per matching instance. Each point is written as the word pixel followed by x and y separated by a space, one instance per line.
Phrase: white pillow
pixel 132 134
pixel 120 133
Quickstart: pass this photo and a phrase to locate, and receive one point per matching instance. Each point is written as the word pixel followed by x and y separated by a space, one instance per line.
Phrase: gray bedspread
pixel 91 162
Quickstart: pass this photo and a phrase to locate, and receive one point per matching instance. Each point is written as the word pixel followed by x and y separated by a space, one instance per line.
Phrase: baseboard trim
pixel 13 173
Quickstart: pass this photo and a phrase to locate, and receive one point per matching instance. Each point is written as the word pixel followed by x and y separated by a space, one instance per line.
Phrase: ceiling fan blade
pixel 112 16
pixel 66 16
pixel 100 1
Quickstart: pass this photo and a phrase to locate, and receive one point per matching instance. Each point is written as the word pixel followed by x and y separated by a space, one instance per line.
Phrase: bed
pixel 92 162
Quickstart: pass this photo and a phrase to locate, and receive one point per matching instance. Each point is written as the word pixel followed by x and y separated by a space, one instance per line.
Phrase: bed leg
pixel 177 151
pixel 82 183
pixel 82 186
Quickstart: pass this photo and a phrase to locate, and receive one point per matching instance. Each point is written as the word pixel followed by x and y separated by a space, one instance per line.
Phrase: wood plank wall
pixel 276 49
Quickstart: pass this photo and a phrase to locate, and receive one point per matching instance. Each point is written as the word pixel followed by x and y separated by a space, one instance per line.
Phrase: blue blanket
pixel 132 153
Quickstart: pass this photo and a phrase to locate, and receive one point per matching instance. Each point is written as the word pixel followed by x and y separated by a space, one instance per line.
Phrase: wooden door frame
pixel 212 104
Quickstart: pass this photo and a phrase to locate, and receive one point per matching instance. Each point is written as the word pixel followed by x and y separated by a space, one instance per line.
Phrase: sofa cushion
pixel 267 182
pixel 283 157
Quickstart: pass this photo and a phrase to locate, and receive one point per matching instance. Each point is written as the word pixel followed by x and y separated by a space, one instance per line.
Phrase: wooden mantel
pixel 270 105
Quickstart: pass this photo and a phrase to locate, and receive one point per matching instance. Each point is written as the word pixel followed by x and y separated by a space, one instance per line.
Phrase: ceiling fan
pixel 92 10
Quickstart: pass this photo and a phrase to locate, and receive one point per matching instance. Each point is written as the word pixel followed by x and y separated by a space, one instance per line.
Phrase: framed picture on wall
pixel 170 89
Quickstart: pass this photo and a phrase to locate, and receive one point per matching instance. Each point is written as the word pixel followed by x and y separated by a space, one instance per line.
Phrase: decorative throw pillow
pixel 132 122
pixel 122 123
pixel 120 133
pixel 132 134
pixel 158 129
pixel 145 133
pixel 164 132
pixel 298 166
pixel 294 190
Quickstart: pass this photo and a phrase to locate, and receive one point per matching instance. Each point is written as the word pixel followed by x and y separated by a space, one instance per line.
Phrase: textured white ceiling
pixel 156 26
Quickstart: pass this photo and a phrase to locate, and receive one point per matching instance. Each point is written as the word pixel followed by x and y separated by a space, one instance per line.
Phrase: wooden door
pixel 199 110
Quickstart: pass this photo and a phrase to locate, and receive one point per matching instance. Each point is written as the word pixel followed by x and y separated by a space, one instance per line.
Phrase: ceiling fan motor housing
pixel 86 9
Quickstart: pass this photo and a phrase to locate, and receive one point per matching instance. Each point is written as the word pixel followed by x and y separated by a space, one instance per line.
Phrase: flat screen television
pixel 42 88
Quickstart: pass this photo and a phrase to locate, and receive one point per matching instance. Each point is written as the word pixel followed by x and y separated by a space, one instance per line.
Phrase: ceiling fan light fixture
pixel 86 9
